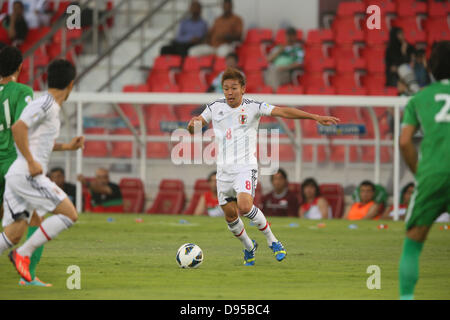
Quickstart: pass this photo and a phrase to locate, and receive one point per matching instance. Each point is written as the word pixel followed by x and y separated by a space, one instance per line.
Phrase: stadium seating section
pixel 346 59
pixel 50 49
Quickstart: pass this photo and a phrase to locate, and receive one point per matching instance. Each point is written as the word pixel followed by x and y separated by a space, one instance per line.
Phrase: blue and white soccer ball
pixel 189 255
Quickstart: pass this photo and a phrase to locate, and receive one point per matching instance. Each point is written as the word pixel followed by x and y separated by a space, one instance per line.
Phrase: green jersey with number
pixel 14 97
pixel 429 110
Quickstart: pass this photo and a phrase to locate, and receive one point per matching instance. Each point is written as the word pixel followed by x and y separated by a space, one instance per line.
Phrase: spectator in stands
pixel 405 196
pixel 314 206
pixel 34 11
pixel 226 30
pixel 192 31
pixel 399 60
pixel 16 25
pixel 283 60
pixel 208 202
pixel 231 61
pixel 421 69
pixel 365 207
pixel 57 175
pixel 105 195
pixel 280 201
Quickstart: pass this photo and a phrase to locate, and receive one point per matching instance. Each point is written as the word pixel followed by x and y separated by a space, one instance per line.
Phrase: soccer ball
pixel 189 255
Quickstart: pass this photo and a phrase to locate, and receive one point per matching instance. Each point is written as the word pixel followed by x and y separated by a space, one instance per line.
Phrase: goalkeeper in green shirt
pixel 428 110
pixel 14 97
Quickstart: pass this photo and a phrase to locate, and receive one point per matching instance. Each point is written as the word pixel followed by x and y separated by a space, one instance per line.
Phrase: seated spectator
pixel 405 196
pixel 208 203
pixel 365 206
pixel 314 206
pixel 283 60
pixel 399 60
pixel 105 196
pixel 280 201
pixel 57 175
pixel 421 69
pixel 35 12
pixel 16 25
pixel 192 31
pixel 231 61
pixel 225 30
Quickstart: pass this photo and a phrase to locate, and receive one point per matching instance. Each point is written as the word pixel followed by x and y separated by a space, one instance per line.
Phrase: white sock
pixel 258 218
pixel 48 230
pixel 5 243
pixel 237 228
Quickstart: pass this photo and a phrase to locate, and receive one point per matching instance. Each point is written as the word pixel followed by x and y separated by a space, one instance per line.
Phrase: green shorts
pixel 4 166
pixel 430 199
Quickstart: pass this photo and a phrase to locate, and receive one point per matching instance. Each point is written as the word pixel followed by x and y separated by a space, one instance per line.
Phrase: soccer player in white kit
pixel 27 187
pixel 235 121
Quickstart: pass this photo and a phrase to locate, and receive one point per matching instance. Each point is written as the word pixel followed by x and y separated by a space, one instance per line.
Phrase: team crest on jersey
pixel 242 118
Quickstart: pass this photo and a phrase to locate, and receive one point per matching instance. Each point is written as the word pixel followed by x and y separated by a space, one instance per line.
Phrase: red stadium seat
pixel 349 65
pixel 257 36
pixel 345 81
pixel 386 6
pixel 315 79
pixel 164 87
pixel 160 78
pixel 92 148
pixel 410 8
pixel 438 9
pixel 197 63
pixel 158 150
pixel 437 30
pixel 184 112
pixel 347 31
pixel 121 149
pixel 290 89
pixel 319 36
pixel 200 187
pixel 320 90
pixel 133 195
pixel 250 51
pixel 259 89
pixel 252 64
pixel 348 9
pixel 255 78
pixel 170 198
pixel 128 108
pixel 382 91
pixel 4 37
pixel 334 193
pixel 191 82
pixel 219 64
pixel 166 62
pixel 413 34
pixel 155 114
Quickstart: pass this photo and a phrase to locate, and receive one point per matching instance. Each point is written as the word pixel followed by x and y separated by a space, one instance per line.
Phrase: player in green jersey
pixel 14 97
pixel 428 110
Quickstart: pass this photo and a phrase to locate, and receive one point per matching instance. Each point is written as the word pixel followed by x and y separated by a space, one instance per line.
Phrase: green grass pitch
pixel 124 259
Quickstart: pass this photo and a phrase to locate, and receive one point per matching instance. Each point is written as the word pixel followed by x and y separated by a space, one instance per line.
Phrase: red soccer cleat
pixel 21 263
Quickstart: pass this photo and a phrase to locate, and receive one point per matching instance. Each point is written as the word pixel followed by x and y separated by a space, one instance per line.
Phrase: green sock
pixel 409 268
pixel 36 256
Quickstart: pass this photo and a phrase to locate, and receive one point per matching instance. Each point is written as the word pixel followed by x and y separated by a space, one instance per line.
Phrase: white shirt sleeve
pixel 265 109
pixel 34 113
pixel 207 114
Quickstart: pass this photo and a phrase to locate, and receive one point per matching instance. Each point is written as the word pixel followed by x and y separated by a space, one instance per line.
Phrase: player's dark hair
pixel 58 169
pixel 211 175
pixel 234 74
pixel 10 60
pixel 310 182
pixel 404 189
pixel 60 73
pixel 280 171
pixel 368 183
pixel 291 31
pixel 439 60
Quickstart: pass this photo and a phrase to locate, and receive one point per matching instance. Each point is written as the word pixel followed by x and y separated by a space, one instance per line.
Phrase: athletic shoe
pixel 36 282
pixel 21 263
pixel 278 250
pixel 249 256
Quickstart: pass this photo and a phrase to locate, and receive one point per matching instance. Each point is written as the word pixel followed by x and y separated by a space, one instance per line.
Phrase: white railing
pixel 81 99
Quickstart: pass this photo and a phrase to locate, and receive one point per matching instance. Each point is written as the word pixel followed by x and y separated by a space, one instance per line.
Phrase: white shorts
pixel 230 185
pixel 24 194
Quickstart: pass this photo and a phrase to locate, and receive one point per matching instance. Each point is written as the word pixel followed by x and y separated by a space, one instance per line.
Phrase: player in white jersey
pixel 235 122
pixel 27 188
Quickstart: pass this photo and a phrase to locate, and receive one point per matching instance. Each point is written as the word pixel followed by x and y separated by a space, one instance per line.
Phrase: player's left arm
pixel 294 113
pixel 407 147
pixel 75 144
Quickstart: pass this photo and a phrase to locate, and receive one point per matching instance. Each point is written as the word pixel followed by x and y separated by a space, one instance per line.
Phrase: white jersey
pixel 42 119
pixel 235 132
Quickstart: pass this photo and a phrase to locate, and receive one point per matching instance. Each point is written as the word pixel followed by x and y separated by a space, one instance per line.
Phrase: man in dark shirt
pixel 105 195
pixel 16 25
pixel 57 175
pixel 281 201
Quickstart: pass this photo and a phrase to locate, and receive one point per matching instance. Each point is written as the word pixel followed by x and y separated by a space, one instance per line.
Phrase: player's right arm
pixel 410 124
pixel 20 134
pixel 191 124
